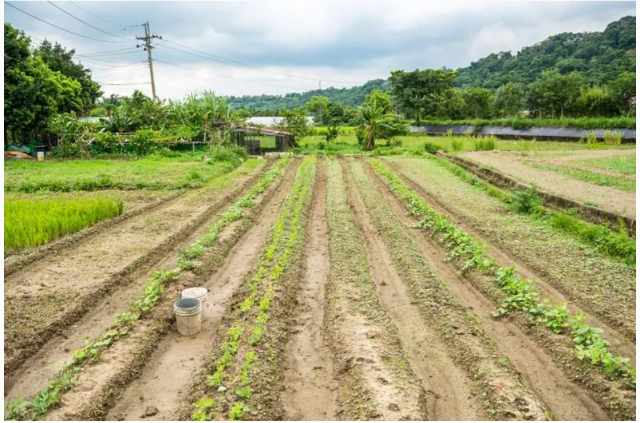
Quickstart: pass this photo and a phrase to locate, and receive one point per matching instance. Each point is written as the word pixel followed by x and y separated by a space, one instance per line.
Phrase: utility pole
pixel 147 46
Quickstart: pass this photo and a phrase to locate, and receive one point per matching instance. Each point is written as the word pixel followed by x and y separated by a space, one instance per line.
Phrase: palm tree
pixel 372 115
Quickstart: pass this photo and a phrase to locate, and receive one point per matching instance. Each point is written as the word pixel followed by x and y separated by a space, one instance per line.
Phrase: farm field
pixel 605 179
pixel 339 288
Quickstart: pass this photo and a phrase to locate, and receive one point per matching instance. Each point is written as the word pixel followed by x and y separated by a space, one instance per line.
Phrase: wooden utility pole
pixel 147 46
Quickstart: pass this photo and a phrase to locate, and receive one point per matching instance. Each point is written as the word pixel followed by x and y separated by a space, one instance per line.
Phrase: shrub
pixel 109 142
pixel 526 201
pixel 457 144
pixel 485 144
pixel 332 133
pixel 431 147
pixel 612 137
pixel 592 137
pixel 143 142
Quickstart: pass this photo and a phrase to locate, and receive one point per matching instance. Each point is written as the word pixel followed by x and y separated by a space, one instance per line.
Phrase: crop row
pixel 614 242
pixel 522 295
pixel 230 379
pixel 50 396
pixel 469 345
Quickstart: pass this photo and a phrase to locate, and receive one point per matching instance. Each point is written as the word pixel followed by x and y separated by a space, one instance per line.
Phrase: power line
pixel 108 54
pixel 80 20
pixel 102 53
pixel 126 83
pixel 100 17
pixel 229 77
pixel 236 63
pixel 62 29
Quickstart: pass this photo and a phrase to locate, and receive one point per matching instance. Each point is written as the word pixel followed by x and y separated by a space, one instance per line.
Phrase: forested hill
pixel 599 56
pixel 344 96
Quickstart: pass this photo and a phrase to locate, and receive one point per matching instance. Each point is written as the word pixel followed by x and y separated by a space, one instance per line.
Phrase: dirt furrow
pixel 173 366
pixel 565 399
pixel 451 394
pixel 171 361
pixel 41 301
pixel 375 379
pixel 310 391
pixel 545 273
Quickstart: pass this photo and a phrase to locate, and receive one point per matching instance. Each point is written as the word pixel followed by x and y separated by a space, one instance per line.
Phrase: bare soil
pixel 311 392
pixel 43 299
pixel 608 198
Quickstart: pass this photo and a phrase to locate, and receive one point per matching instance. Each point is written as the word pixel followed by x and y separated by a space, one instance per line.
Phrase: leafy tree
pixel 318 106
pixel 335 114
pixel 32 92
pixel 622 89
pixel 418 93
pixel 450 105
pixel 555 92
pixel 478 103
pixel 595 101
pixel 373 116
pixel 58 59
pixel 294 122
pixel 509 99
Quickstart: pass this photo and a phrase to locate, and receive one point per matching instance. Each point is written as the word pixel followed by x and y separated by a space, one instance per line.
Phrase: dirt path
pixel 451 395
pixel 375 379
pixel 42 300
pixel 517 246
pixel 311 393
pixel 608 198
pixel 171 369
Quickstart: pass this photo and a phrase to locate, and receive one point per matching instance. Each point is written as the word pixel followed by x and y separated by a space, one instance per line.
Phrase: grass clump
pixel 34 222
pixel 485 143
pixel 612 137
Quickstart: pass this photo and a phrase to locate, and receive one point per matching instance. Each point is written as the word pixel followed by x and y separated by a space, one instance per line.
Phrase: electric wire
pixel 60 28
pixel 88 24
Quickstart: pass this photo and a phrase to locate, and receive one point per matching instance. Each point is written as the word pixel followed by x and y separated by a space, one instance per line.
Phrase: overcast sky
pixel 280 47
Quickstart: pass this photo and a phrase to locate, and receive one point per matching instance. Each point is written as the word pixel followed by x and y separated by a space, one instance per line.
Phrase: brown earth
pixel 43 299
pixel 608 198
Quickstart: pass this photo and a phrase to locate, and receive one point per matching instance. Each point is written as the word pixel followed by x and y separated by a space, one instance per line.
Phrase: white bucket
pixel 188 314
pixel 199 293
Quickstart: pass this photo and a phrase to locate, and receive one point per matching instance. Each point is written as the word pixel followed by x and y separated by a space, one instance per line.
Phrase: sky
pixel 253 48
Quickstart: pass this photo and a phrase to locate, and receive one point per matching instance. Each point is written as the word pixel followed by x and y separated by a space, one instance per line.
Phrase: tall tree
pixel 509 99
pixel 623 91
pixel 478 103
pixel 58 59
pixel 418 93
pixel 33 93
pixel 318 106
pixel 555 92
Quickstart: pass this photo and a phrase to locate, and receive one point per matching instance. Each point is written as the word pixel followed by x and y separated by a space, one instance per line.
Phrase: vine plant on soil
pixel 522 295
pixel 50 396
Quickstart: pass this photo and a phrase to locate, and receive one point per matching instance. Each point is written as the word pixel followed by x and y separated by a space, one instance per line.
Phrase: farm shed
pixel 262 140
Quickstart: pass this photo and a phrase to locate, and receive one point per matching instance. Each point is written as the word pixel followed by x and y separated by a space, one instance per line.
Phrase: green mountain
pixel 353 96
pixel 599 56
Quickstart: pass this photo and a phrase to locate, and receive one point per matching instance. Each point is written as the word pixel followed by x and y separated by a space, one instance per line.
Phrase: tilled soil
pixel 587 280
pixel 608 198
pixel 43 299
pixel 368 321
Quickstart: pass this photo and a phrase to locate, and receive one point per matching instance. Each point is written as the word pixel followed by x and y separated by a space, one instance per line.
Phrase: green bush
pixel 526 201
pixel 109 143
pixel 612 137
pixel 431 147
pixel 143 142
pixel 331 134
pixel 457 144
pixel 485 144
pixel 592 137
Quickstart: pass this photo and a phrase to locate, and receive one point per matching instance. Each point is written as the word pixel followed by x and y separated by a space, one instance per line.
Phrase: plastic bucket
pixel 188 314
pixel 199 293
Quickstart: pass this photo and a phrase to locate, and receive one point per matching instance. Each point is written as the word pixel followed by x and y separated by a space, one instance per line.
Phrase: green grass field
pixel 33 222
pixel 621 164
pixel 349 144
pixel 187 170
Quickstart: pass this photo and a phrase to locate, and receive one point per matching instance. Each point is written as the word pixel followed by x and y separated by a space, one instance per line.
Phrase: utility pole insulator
pixel 147 47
